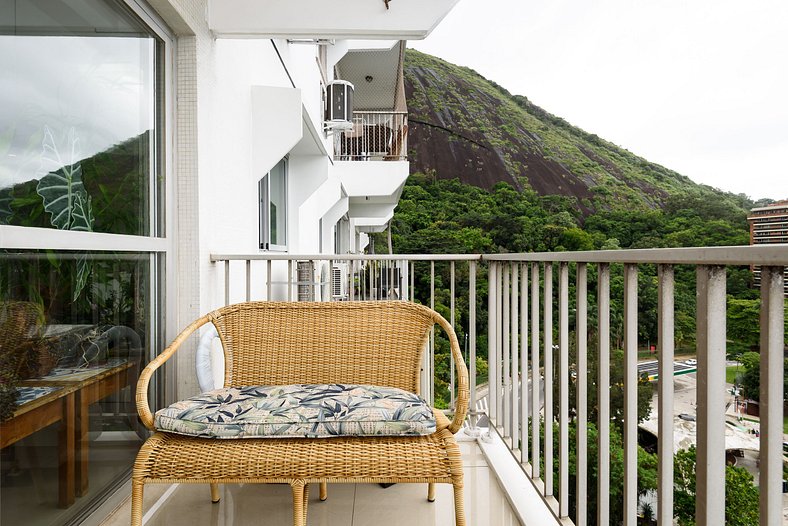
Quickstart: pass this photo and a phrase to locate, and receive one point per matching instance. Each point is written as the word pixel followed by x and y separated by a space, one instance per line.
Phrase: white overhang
pixel 369 210
pixel 277 124
pixel 372 178
pixel 338 19
pixel 374 73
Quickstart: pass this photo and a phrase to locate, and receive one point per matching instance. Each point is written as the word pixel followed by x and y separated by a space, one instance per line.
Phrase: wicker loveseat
pixel 283 343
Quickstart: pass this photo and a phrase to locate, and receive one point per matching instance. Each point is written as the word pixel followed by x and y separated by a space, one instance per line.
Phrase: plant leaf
pixel 64 195
pixel 82 215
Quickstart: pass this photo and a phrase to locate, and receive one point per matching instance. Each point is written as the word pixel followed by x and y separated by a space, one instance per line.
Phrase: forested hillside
pixel 464 126
pixel 498 174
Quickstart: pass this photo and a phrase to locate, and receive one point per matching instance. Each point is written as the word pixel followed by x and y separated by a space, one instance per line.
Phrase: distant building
pixel 768 225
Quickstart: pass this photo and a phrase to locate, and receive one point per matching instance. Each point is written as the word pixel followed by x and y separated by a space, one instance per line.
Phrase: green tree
pixel 751 379
pixel 647 471
pixel 743 326
pixel 645 390
pixel 741 495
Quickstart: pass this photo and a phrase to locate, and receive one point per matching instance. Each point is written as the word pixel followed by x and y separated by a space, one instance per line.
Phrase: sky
pixel 90 93
pixel 698 86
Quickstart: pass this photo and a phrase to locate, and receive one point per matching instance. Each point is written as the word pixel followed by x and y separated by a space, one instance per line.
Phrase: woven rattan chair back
pixel 275 343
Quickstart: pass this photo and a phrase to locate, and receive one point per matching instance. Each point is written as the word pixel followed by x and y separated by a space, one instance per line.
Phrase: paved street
pixel 651 368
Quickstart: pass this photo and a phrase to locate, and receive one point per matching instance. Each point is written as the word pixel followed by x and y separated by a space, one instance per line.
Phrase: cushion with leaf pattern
pixel 302 410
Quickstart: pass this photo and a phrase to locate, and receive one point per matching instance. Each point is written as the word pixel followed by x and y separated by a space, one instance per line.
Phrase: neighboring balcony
pixel 370 160
pixel 375 136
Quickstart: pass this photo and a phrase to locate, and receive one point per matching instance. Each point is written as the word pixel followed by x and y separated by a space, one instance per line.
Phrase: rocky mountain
pixel 464 126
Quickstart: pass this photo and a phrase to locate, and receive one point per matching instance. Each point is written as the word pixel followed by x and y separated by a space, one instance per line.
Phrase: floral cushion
pixel 287 411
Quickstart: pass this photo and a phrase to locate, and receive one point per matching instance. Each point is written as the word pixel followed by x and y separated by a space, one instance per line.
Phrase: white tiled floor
pixel 347 504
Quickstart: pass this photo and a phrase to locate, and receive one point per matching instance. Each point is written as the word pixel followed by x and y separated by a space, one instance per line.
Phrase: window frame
pixel 264 208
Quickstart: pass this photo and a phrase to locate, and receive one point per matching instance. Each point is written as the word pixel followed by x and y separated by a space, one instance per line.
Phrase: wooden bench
pixel 283 343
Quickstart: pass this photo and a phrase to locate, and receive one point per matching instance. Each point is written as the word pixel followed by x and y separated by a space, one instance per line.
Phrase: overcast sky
pixel 101 88
pixel 699 86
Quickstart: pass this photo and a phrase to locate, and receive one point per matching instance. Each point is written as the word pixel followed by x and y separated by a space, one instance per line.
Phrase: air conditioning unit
pixel 339 281
pixel 339 105
pixel 305 278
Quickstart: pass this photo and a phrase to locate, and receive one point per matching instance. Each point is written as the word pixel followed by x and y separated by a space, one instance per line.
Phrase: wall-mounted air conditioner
pixel 339 105
pixel 339 281
pixel 305 279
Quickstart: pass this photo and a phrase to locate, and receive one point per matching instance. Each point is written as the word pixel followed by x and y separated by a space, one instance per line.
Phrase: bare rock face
pixel 463 126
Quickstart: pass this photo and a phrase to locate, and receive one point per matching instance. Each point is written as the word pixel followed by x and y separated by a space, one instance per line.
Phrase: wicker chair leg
pixel 306 502
pixel 137 488
pixel 431 492
pixel 298 502
pixel 215 493
pixel 323 491
pixel 459 505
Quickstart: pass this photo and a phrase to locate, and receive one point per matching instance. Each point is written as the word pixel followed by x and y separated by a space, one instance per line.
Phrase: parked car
pixel 691 361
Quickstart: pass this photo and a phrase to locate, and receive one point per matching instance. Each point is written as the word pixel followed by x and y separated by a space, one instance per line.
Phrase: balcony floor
pixel 347 504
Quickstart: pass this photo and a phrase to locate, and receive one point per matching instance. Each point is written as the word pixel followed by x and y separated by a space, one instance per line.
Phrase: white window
pixel 273 208
pixel 341 236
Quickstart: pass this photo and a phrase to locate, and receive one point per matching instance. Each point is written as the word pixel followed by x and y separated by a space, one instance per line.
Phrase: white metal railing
pixel 375 135
pixel 521 379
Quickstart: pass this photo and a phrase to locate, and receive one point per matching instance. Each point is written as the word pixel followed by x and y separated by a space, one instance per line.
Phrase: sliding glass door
pixel 83 246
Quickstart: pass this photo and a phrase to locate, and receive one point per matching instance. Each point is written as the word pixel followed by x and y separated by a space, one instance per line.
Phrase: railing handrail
pixel 380 112
pixel 764 255
pixel 345 257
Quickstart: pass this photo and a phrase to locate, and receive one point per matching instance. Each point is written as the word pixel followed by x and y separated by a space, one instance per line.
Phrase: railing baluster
pixel 665 322
pixel 330 280
pixel 603 395
pixel 352 280
pixel 710 482
pixel 248 280
pixel 268 284
pixel 581 335
pixel 506 349
pixel 390 289
pixel 492 369
pixel 515 379
pixel 451 358
pixel 536 377
pixel 524 365
pixel 630 394
pixel 499 345
pixel 771 395
pixel 413 281
pixel 289 280
pixel 227 282
pixel 472 336
pixel 563 379
pixel 432 336
pixel 548 378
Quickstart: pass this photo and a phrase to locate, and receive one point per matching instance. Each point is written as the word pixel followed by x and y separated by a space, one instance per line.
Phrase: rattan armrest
pixel 463 391
pixel 143 408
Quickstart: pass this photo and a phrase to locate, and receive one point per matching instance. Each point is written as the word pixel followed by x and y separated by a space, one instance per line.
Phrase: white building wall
pixel 193 69
pixel 220 157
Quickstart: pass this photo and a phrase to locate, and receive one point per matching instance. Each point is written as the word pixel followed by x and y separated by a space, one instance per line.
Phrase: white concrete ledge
pixel 524 498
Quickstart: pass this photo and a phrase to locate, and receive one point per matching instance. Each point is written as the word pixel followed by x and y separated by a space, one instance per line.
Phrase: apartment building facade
pixel 768 225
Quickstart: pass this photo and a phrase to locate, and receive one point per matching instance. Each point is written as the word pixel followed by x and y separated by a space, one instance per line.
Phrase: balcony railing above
pixel 375 136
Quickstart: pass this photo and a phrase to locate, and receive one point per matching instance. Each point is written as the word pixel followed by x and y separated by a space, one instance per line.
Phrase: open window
pixel 273 208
